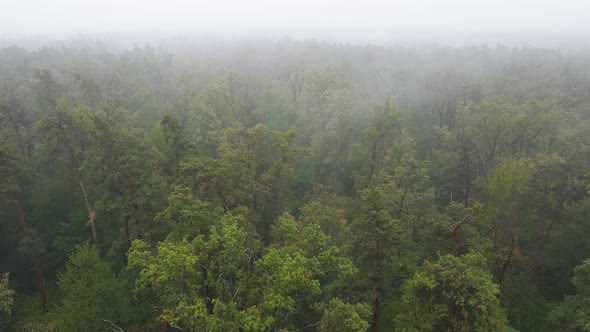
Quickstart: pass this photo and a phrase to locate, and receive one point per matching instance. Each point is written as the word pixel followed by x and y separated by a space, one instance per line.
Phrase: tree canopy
pixel 294 186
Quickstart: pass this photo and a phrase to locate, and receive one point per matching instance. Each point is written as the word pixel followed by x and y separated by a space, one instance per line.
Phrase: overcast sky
pixel 338 19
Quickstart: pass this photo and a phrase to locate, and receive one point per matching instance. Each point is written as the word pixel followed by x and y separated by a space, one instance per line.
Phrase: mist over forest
pixel 414 166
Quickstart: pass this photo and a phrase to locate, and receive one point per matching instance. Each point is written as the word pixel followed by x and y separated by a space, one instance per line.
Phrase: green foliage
pixel 574 313
pixel 382 128
pixel 346 317
pixel 459 230
pixel 507 186
pixel 254 169
pixel 28 315
pixel 177 144
pixel 196 281
pixel 9 172
pixel 6 295
pixel 330 220
pixel 276 113
pixel 492 125
pixel 216 282
pixel 92 296
pixel 452 294
pixel 286 276
pixel 379 243
pixel 187 215
pixel 283 193
pixel 375 229
pixel 508 181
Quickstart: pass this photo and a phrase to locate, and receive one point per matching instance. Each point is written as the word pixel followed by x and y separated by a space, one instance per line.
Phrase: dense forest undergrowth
pixel 294 186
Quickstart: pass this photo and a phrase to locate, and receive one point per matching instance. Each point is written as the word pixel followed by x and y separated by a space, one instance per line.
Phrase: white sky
pixel 372 19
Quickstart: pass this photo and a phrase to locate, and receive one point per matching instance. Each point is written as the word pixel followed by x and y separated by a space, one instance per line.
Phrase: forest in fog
pixel 292 185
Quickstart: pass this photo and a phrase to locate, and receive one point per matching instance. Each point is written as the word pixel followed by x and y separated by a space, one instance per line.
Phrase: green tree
pixel 181 92
pixel 12 173
pixel 68 143
pixel 340 316
pixel 126 176
pixel 573 314
pixel 254 168
pixel 174 137
pixel 47 89
pixel 507 185
pixel 223 280
pixel 452 294
pixel 378 242
pixel 186 215
pixel 92 296
pixel 379 134
pixel 226 100
pixel 298 269
pixel 492 127
pixel 330 220
pixel 200 284
pixel 328 97
pixel 6 295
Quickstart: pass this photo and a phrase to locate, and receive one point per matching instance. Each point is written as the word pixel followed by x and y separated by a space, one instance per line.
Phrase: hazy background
pixel 455 22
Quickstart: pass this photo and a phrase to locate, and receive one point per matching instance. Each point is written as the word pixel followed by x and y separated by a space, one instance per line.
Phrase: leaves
pixel 346 317
pixel 6 294
pixel 91 293
pixel 452 294
pixel 573 314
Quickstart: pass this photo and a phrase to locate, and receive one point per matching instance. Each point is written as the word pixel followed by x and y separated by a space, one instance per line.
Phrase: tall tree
pixel 11 174
pixel 378 238
pixel 68 143
pixel 92 297
pixel 379 136
pixel 506 186
pixel 452 294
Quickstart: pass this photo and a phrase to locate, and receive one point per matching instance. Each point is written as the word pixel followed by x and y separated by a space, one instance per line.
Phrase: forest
pixel 293 185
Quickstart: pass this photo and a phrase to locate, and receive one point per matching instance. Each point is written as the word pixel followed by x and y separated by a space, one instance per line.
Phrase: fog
pixel 455 22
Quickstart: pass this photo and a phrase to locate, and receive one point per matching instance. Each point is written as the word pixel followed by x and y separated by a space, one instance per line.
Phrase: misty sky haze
pixel 341 20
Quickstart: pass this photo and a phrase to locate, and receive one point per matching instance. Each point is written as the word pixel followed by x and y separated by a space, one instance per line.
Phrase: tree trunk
pixel 502 267
pixel 467 176
pixel 373 164
pixel 91 213
pixel 34 255
pixel 219 190
pixel 375 318
pixel 207 290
